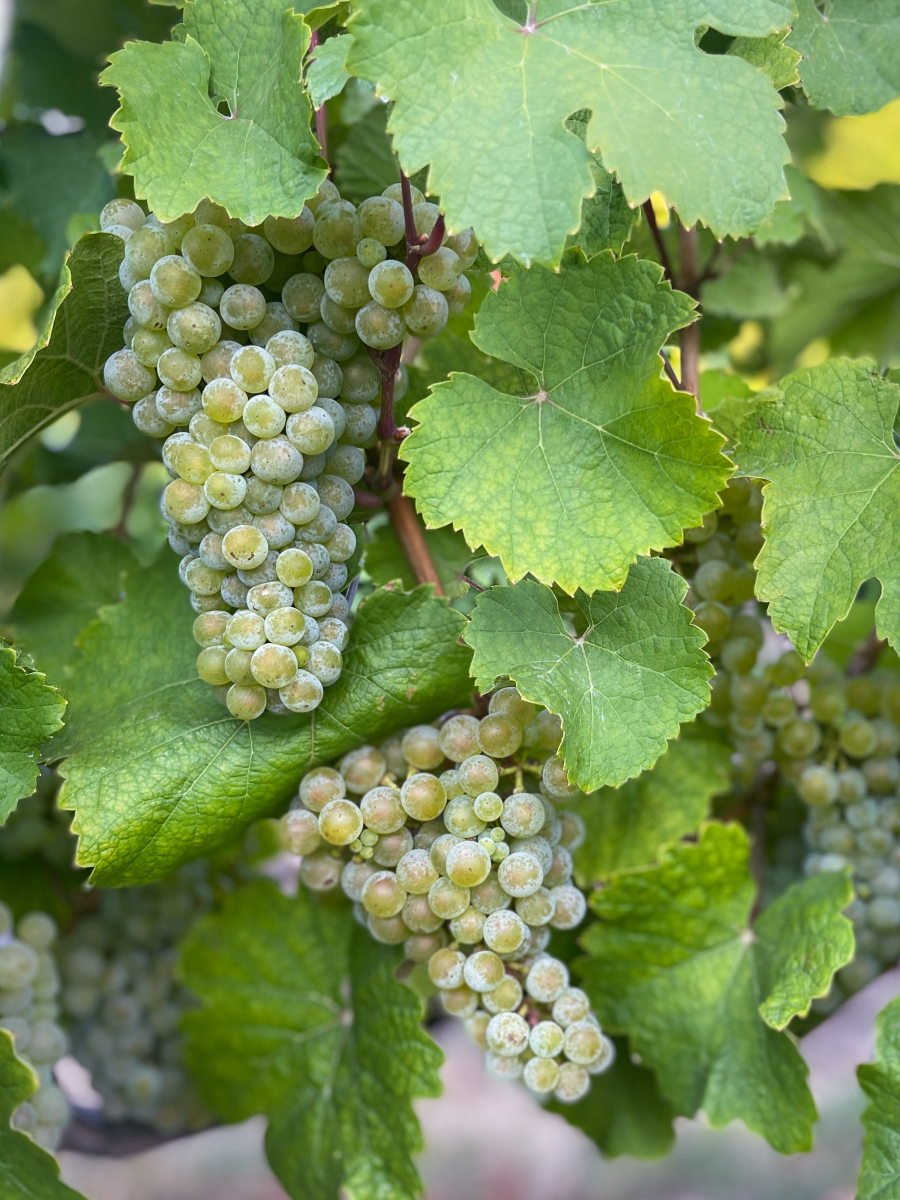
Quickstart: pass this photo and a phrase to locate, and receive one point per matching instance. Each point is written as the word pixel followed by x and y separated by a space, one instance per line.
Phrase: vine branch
pixel 660 244
pixel 412 539
pixel 321 114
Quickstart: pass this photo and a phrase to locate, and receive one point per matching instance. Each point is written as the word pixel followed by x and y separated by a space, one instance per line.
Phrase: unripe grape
pixel 211 665
pixel 445 969
pixel 467 863
pixel 294 567
pixel 448 899
pixel 440 270
pixel 538 908
pixel 302 296
pixel 262 497
pixel 201 579
pixel 238 668
pixel 242 306
pixel 291 235
pixel 320 872
pixel 569 906
pixel 285 627
pixel 425 313
pixel 799 738
pixel 340 822
pixel 416 872
pixel 858 737
pixel 818 785
pixel 507 1034
pixel 504 931
pixel 302 694
pixel 336 232
pixel 354 877
pixel 547 979
pixel 560 869
pixel 300 832
pixel 122 212
pixel 126 377
pixel 276 460
pixel 523 815
pixel 483 971
pixel 185 502
pixel 264 598
pixel 461 819
pixel 418 917
pixel 381 810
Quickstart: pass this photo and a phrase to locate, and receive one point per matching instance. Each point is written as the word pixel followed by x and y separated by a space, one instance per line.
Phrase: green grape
pixel 302 694
pixel 196 328
pixel 291 235
pixel 338 319
pixel 311 431
pixel 242 306
pixel 192 461
pixel 738 655
pixel 211 665
pixel 818 785
pixel 713 580
pixel 290 348
pixel 174 281
pixel 276 529
pixel 208 249
pixel 230 454
pixel 328 375
pixel 201 579
pixel 263 417
pixel 505 932
pixel 264 598
pixel 748 540
pixel 346 282
pixel 425 216
pixel 209 213
pixel 251 368
pixel 179 370
pixel 211 293
pixel 128 277
pixel 499 736
pixel 370 251
pixel 337 231
pixel 225 490
pixel 327 191
pixel 858 737
pixel 423 797
pixel 216 363
pixel 185 502
pixel 234 592
pixel 145 248
pixel 246 702
pixel 465 245
pixel 458 296
pixel 302 297
pixel 787 670
pixel 336 494
pixel 223 400
pixel 148 345
pixel 523 815
pixel 828 702
pixel 381 220
pixel 122 212
pixel 339 346
pixel 507 1033
pixel 319 786
pixel 467 863
pixel 261 497
pixel 379 327
pixel 285 626
pixel 361 382
pixel 126 377
pixel 865 696
pixel 520 874
pixel 277 320
pixel 799 738
pixel 748 694
pixel 390 283
pixel 273 666
pixel 211 553
pixel 440 270
pixel 245 547
pixel 778 709
pixel 147 419
pixel 426 312
pixel 342 544
pixel 254 260
pixel 313 599
pixel 120 231
pixel 144 307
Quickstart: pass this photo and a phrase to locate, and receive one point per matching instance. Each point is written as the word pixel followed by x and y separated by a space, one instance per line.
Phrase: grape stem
pixel 321 114
pixel 690 336
pixel 664 259
pixel 128 498
pixel 412 539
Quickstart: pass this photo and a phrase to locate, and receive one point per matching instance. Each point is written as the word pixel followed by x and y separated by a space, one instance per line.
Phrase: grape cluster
pixel 123 1000
pixel 29 1011
pixel 834 739
pixel 435 840
pixel 266 425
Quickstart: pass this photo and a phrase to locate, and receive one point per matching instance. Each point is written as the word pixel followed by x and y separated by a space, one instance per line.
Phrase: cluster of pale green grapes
pixel 29 1011
pixel 123 1000
pixel 435 840
pixel 835 739
pixel 266 422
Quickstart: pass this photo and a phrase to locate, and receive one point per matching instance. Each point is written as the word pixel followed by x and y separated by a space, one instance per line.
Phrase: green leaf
pixel 30 712
pixel 160 773
pixel 327 73
pixel 827 446
pixel 85 572
pixel 303 1020
pixel 606 218
pixel 26 1171
pixel 727 400
pixel 364 162
pixel 675 964
pixel 627 826
pixel 601 461
pixel 261 158
pixel 624 1112
pixel 879 1176
pixel 851 53
pixel 771 55
pixel 484 100
pixel 750 291
pixel 65 367
pixel 622 687
pixel 794 218
pixel 48 179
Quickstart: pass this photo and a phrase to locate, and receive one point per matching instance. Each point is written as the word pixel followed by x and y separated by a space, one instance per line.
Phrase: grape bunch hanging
pixel 262 357
pixel 440 847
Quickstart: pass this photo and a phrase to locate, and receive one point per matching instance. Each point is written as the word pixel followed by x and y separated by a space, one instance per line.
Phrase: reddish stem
pixel 321 114
pixel 660 244
pixel 690 335
pixel 412 539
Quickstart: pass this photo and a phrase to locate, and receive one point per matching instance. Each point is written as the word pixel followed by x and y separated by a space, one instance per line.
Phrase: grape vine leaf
pixel 851 53
pixel 30 713
pixel 26 1171
pixel 327 72
pixel 826 445
pixel 85 572
pixel 879 1177
pixel 703 995
pixel 602 460
pixel 627 826
pixel 622 687
pixel 259 159
pixel 303 1020
pixel 771 55
pixel 65 366
pixel 624 1112
pixel 606 217
pixel 726 399
pixel 705 130
pixel 158 772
